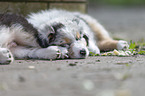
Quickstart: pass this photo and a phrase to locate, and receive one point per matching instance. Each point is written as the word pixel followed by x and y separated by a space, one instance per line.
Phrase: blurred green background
pixel 119 2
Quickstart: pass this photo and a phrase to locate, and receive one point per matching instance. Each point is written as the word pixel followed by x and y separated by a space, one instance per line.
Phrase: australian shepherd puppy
pixel 53 34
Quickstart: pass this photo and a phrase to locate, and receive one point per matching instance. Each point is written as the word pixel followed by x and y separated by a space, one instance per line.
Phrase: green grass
pixel 134 49
pixel 137 47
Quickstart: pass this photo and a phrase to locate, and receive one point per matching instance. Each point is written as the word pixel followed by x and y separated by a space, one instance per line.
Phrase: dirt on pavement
pixel 94 76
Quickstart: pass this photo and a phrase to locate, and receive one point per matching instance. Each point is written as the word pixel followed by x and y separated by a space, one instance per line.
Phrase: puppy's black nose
pixel 83 52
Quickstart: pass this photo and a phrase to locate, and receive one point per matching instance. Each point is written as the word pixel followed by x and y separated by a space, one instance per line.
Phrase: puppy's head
pixel 78 49
pixel 70 35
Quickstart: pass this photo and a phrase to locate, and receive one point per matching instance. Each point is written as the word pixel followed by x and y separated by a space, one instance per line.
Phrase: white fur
pixel 5 56
pixel 122 45
pixel 52 52
pixel 66 18
pixel 76 47
pixel 15 33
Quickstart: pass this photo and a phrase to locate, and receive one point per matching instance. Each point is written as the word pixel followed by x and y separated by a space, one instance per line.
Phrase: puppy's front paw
pixel 122 45
pixel 52 52
pixel 64 52
pixel 5 56
pixel 55 52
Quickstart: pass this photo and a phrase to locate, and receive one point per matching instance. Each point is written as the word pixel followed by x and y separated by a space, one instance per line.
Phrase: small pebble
pixel 31 67
pixel 97 60
pixel 72 64
pixel 21 79
pixel 19 62
pixel 58 69
pixel 123 93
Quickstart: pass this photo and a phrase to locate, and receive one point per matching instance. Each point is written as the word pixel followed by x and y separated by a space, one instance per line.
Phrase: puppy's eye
pixel 87 39
pixel 51 34
pixel 51 37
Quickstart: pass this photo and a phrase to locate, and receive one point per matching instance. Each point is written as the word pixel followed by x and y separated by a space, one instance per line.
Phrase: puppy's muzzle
pixel 78 50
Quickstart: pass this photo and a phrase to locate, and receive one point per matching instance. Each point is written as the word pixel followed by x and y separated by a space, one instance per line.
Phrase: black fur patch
pixel 87 39
pixel 57 26
pixel 43 42
pixel 10 19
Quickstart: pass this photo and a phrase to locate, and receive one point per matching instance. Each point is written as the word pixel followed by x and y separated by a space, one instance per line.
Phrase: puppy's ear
pixel 57 26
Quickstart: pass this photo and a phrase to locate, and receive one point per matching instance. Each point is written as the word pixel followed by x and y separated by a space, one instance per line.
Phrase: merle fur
pixel 10 19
